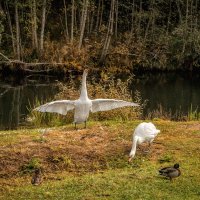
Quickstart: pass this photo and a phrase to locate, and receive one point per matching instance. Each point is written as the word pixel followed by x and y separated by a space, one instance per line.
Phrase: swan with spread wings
pixel 83 106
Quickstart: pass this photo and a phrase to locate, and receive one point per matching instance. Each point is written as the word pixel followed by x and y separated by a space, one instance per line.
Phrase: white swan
pixel 83 105
pixel 144 132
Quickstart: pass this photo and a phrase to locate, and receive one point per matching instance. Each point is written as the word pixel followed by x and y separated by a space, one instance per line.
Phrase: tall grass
pixel 193 114
pixel 178 115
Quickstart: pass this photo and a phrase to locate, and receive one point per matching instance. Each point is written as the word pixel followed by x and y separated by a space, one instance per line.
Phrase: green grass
pixel 107 174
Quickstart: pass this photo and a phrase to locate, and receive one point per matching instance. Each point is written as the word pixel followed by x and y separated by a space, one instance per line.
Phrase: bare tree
pixel 132 16
pixel 109 32
pixel 116 17
pixel 17 31
pixel 179 10
pixel 10 27
pixel 66 23
pixel 34 25
pixel 72 22
pixel 98 16
pixel 83 22
pixel 44 7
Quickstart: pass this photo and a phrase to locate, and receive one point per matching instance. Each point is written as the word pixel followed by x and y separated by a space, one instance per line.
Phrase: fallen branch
pixel 5 57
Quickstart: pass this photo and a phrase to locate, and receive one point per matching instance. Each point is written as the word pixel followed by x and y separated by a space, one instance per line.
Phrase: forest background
pixel 128 34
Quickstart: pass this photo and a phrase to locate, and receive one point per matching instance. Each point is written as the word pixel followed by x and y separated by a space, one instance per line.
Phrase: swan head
pixel 131 155
pixel 85 72
pixel 130 158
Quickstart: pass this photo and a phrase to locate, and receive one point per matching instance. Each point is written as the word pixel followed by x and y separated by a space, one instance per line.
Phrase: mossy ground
pixel 93 163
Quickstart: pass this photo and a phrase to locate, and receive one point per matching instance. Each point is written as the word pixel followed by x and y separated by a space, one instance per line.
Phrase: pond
pixel 170 94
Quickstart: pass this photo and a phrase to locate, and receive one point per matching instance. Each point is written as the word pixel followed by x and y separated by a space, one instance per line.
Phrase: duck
pixel 83 106
pixel 37 177
pixel 144 132
pixel 170 172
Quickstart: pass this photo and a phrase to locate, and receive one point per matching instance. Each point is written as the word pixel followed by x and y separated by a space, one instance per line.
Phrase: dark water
pixel 17 97
pixel 169 93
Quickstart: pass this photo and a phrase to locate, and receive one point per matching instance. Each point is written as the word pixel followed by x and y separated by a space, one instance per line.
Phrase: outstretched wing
pixel 109 104
pixel 61 107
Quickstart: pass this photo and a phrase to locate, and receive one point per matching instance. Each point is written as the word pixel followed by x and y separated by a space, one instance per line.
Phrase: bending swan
pixel 83 105
pixel 144 132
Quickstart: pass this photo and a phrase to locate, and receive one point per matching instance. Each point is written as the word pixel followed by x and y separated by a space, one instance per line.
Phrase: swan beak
pixel 129 160
pixel 86 71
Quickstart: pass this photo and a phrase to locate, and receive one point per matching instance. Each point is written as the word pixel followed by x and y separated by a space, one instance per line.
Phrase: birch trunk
pixel 66 23
pixel 85 8
pixel 11 29
pixel 179 10
pixel 169 17
pixel 185 27
pixel 109 33
pixel 72 22
pixel 116 18
pixel 101 15
pixel 132 17
pixel 35 37
pixel 17 31
pixel 98 16
pixel 43 26
pixel 91 23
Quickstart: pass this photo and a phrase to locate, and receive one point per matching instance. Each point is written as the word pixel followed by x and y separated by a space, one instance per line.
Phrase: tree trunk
pixel 35 37
pixel 109 33
pixel 66 23
pixel 72 22
pixel 132 17
pixel 179 10
pixel 10 27
pixel 139 21
pixel 169 17
pixel 85 8
pixel 116 17
pixel 185 28
pixel 17 31
pixel 101 14
pixel 91 23
pixel 43 25
pixel 98 16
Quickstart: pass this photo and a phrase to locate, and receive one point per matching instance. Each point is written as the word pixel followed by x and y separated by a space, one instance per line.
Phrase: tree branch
pixel 5 57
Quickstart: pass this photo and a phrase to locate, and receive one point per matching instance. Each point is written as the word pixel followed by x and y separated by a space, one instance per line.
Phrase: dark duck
pixel 170 172
pixel 37 177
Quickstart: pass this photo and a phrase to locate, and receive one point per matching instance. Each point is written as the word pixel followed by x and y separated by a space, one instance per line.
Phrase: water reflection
pixel 172 92
pixel 15 99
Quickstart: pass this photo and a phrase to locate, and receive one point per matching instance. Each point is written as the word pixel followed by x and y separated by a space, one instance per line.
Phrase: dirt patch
pixel 74 151
pixel 87 150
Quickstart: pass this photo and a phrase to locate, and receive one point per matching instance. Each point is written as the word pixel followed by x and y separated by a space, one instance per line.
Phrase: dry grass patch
pixel 99 147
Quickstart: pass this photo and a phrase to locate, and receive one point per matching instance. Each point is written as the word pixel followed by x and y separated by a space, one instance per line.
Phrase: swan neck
pixel 134 145
pixel 83 87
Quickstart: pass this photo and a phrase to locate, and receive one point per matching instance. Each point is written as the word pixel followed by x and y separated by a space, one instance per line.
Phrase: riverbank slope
pixel 93 163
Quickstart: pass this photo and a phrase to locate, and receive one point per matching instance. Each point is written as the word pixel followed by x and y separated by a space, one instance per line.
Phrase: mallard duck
pixel 37 177
pixel 171 172
pixel 83 106
pixel 144 132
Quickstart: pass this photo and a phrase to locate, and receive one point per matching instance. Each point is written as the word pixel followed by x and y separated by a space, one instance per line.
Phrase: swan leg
pixel 85 124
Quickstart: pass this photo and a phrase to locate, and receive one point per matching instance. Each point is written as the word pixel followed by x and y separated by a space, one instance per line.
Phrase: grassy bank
pixel 92 163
